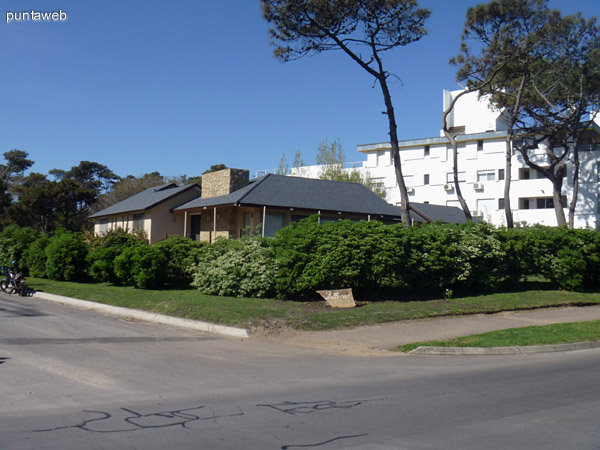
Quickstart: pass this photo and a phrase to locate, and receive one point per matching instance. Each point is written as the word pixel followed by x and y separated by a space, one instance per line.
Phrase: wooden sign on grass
pixel 338 298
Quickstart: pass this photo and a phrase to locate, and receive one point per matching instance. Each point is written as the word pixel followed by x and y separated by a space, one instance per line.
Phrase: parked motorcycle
pixel 14 282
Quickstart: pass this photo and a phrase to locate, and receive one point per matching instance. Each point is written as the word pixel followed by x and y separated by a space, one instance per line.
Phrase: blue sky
pixel 176 86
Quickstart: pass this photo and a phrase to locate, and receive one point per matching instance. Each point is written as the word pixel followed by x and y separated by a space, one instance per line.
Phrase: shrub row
pixel 435 258
pixel 372 258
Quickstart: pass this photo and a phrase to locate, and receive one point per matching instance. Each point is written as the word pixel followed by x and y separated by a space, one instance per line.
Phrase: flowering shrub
pixel 239 268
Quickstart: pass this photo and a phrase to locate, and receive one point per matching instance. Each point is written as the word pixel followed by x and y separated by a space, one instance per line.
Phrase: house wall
pixel 157 223
pixel 123 221
pixel 230 220
pixel 163 222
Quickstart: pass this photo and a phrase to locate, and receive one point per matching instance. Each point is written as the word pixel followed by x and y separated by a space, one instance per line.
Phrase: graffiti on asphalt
pixel 312 407
pixel 285 447
pixel 134 421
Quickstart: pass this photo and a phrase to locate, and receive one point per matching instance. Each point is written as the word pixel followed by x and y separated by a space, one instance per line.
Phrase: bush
pixel 105 249
pixel 359 255
pixel 143 265
pixel 35 257
pixel 66 255
pixel 181 253
pixel 570 259
pixel 236 267
pixel 14 241
pixel 448 256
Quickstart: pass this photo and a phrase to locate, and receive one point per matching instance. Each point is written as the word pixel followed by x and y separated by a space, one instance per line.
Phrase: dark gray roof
pixel 322 195
pixel 448 214
pixel 145 199
pixel 302 193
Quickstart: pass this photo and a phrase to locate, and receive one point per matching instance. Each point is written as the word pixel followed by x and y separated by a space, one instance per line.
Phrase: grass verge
pixel 250 312
pixel 561 333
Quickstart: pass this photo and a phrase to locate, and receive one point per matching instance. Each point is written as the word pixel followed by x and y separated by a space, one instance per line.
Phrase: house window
pixel 274 223
pixel 530 174
pixel 138 221
pixel 426 151
pixel 500 203
pixel 485 175
pixel 539 203
pixel 479 146
pixel 426 179
pixel 544 203
pixel 462 176
pixel 500 174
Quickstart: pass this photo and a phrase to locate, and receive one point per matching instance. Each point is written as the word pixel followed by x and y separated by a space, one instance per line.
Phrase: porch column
pixel 185 223
pixel 369 218
pixel 264 220
pixel 319 220
pixel 214 224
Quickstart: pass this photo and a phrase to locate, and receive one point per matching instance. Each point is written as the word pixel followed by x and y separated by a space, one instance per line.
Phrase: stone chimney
pixel 224 182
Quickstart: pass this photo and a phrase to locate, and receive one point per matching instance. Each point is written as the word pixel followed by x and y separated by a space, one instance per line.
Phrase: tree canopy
pixel 362 30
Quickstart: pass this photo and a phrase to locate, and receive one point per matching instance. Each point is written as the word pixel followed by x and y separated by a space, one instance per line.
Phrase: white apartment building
pixel 427 166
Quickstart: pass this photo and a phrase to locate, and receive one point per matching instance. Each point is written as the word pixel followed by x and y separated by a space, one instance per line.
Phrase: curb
pixel 526 350
pixel 146 316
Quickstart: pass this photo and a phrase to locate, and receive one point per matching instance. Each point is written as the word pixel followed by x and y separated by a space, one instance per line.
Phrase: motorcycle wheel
pixel 5 286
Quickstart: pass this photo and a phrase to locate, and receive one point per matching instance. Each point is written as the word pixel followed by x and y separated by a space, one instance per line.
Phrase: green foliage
pixel 180 253
pixel 346 254
pixel 66 255
pixel 14 241
pixel 35 257
pixel 105 249
pixel 374 258
pixel 215 168
pixel 144 266
pixel 240 268
pixel 331 158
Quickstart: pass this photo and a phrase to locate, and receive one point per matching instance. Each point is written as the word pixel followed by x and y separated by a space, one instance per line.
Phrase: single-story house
pixel 149 211
pixel 231 205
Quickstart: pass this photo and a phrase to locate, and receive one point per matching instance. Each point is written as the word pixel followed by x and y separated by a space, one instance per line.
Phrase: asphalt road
pixel 72 379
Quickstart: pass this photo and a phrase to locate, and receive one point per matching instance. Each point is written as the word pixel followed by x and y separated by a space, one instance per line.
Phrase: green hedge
pixel 372 258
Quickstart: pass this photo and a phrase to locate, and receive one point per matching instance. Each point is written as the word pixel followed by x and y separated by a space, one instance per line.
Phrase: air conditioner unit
pixel 477 214
pixel 410 190
pixel 478 186
pixel 448 187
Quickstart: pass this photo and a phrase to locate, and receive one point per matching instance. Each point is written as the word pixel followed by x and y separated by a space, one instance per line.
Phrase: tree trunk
pixel 404 202
pixel 461 199
pixel 452 139
pixel 558 203
pixel 573 203
pixel 507 175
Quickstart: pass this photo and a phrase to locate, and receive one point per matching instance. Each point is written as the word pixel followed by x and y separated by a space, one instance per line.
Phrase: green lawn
pixel 561 333
pixel 248 312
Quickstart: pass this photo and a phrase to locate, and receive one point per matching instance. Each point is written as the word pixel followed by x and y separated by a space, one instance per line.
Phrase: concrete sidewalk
pixel 378 339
